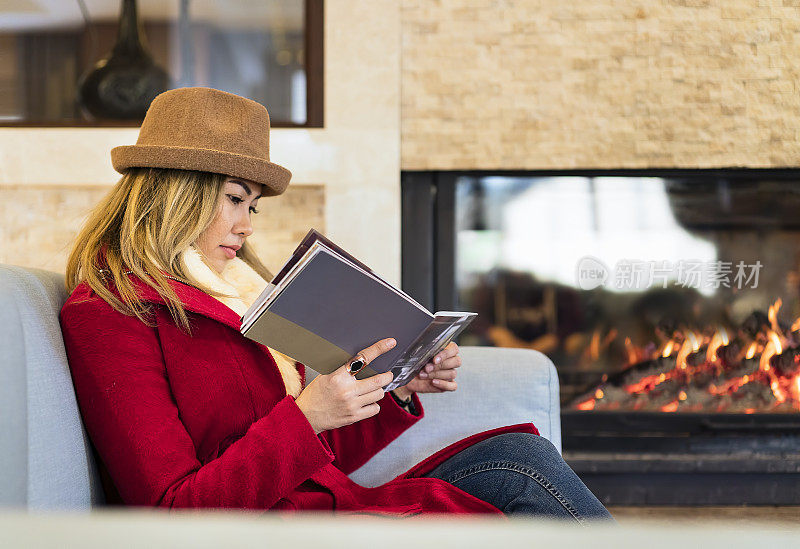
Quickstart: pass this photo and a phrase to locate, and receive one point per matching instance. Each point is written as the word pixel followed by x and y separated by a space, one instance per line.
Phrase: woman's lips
pixel 230 253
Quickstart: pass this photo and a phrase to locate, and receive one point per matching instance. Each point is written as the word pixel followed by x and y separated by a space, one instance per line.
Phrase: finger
pixel 429 367
pixel 450 363
pixel 429 387
pixel 450 350
pixel 445 385
pixel 368 411
pixel 448 375
pixel 364 386
pixel 377 349
pixel 370 398
pixel 369 354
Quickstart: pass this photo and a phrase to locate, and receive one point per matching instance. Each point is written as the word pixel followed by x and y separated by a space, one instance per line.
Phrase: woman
pixel 186 412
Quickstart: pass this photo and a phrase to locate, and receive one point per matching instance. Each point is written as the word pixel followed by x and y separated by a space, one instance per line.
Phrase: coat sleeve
pixel 356 443
pixel 127 406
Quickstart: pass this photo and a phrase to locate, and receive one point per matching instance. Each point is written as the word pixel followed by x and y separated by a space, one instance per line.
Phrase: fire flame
pixel 671 407
pixel 633 356
pixel 693 339
pixel 780 394
pixel 777 341
pixel 720 338
pixel 730 386
pixel 680 360
pixel 772 348
pixel 647 383
pixel 594 346
pixel 772 314
pixel 689 345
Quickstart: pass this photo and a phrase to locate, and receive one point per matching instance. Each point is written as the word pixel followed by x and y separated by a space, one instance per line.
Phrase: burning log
pixel 730 356
pixel 759 371
pixel 787 362
pixel 756 323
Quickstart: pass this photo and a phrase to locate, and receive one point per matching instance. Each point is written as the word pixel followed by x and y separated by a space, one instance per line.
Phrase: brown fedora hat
pixel 205 130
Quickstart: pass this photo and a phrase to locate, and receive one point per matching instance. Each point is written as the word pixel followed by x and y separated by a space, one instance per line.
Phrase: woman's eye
pixel 238 200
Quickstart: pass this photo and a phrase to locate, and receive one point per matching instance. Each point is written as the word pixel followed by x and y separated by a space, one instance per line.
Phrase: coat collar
pixel 238 284
pixel 193 299
pixel 229 309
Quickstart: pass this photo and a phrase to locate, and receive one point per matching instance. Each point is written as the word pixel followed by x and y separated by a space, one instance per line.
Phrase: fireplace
pixel 669 301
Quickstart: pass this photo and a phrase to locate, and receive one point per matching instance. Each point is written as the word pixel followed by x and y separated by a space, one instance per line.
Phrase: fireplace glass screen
pixel 659 294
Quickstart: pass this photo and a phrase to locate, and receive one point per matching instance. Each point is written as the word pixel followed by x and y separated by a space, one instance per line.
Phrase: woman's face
pixel 226 234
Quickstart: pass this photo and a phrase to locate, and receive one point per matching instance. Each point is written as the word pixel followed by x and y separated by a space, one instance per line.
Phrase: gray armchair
pixel 46 460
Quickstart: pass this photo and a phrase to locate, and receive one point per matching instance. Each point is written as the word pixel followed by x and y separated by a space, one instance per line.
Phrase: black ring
pixel 356 365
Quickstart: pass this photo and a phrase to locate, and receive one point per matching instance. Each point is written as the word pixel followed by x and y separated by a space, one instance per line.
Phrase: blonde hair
pixel 144 224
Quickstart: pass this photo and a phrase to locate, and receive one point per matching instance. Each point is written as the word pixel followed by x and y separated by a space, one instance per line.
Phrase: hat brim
pixel 275 178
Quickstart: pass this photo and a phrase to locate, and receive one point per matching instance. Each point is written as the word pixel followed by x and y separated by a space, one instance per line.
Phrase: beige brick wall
pixel 492 84
pixel 39 222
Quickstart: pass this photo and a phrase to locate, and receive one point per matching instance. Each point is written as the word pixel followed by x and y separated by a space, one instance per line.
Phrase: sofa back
pixel 46 462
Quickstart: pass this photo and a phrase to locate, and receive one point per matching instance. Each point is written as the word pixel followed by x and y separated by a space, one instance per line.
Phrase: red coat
pixel 205 421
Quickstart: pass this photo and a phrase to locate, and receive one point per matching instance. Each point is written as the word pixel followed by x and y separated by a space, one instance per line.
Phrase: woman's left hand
pixel 438 376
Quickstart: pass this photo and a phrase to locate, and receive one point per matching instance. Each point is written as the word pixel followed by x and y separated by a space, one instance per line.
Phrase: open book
pixel 324 306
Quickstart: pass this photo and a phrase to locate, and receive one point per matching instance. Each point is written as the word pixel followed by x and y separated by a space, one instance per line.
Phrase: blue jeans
pixel 522 473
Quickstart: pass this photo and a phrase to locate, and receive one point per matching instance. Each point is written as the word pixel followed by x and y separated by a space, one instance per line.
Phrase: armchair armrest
pixel 496 387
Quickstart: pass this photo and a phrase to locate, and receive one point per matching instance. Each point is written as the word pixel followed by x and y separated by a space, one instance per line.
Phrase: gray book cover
pixel 325 306
pixel 330 311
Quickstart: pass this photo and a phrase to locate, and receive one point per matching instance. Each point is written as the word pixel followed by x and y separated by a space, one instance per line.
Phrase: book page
pixel 272 291
pixel 312 243
pixel 445 326
pixel 378 279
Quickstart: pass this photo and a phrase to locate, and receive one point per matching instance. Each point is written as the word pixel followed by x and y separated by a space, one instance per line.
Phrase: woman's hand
pixel 338 399
pixel 438 376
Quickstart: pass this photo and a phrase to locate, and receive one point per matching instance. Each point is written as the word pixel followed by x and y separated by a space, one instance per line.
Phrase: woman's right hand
pixel 338 399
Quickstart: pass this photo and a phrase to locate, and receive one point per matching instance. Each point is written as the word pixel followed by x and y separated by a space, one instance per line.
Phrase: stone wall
pixel 40 222
pixel 537 84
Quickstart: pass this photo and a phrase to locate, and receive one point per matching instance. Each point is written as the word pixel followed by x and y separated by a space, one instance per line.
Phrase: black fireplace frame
pixel 686 458
pixel 626 458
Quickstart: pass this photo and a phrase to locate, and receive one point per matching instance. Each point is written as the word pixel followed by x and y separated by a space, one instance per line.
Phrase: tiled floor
pixel 699 515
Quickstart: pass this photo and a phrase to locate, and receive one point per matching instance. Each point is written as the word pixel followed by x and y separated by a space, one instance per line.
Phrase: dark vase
pixel 122 85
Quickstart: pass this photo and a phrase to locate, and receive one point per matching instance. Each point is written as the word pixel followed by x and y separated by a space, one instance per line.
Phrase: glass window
pixel 648 293
pixel 51 52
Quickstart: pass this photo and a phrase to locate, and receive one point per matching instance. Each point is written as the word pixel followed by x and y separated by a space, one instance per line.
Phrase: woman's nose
pixel 244 227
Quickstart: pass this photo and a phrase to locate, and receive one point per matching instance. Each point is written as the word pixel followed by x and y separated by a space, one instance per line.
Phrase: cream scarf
pixel 241 286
